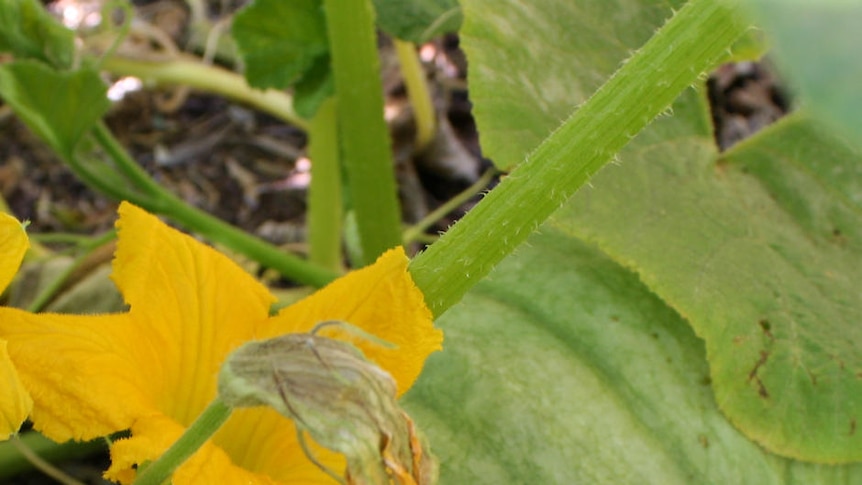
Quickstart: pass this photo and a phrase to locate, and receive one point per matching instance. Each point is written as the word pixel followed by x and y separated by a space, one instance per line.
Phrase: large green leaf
pixel 60 107
pixel 562 367
pixel 758 251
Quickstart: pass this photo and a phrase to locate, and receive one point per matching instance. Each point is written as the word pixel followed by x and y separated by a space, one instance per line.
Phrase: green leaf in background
pixel 60 107
pixel 283 43
pixel 418 20
pixel 316 85
pixel 562 368
pixel 817 46
pixel 27 30
pixel 532 63
pixel 758 251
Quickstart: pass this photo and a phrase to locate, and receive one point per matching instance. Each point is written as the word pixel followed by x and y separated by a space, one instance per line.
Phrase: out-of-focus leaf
pixel 816 44
pixel 28 31
pixel 283 43
pixel 314 88
pixel 531 63
pixel 418 20
pixel 60 107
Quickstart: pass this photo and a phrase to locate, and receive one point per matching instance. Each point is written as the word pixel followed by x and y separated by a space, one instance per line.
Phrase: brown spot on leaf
pixel 704 441
pixel 852 426
pixel 752 376
pixel 766 327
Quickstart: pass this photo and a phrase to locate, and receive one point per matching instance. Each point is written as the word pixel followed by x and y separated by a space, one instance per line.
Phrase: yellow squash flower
pixel 15 402
pixel 154 369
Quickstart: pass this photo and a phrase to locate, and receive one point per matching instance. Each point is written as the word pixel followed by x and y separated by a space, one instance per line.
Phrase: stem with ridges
pixel 361 128
pixel 687 45
pixel 324 194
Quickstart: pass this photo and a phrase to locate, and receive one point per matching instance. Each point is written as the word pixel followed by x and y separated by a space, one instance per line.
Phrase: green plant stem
pixel 190 71
pixel 324 195
pixel 124 162
pixel 13 462
pixel 264 253
pixel 155 198
pixel 48 293
pixel 42 464
pixel 195 436
pixel 417 91
pixel 414 232
pixel 687 45
pixel 363 133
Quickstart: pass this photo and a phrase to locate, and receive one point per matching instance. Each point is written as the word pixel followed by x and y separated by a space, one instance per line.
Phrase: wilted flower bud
pixel 345 402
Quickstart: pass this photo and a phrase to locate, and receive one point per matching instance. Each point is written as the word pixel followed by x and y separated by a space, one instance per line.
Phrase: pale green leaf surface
pixel 817 46
pixel 531 63
pixel 562 367
pixel 60 107
pixel 27 30
pixel 761 253
pixel 418 20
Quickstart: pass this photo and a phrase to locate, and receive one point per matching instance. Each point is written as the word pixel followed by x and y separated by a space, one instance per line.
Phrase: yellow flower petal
pixel 77 370
pixel 15 403
pixel 383 300
pixel 154 369
pixel 13 245
pixel 276 450
pixel 191 301
pixel 209 465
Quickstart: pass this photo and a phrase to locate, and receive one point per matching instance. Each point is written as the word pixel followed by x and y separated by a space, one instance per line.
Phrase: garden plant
pixel 630 304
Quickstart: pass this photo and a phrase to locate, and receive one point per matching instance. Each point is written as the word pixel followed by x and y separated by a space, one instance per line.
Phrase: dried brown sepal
pixel 345 402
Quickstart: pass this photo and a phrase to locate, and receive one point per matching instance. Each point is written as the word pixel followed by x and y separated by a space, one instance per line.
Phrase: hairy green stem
pixel 324 196
pixel 209 421
pixel 361 128
pixel 417 91
pixel 686 46
pixel 190 71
